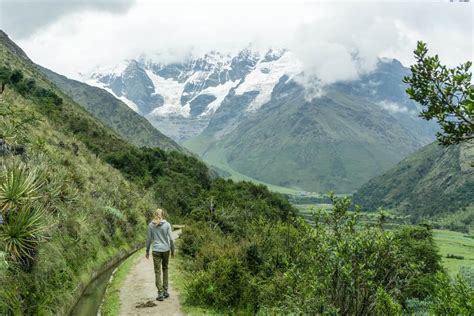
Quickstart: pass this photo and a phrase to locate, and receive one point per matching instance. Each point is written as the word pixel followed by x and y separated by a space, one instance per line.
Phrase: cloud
pixel 335 41
pixel 348 39
pixel 24 18
pixel 395 108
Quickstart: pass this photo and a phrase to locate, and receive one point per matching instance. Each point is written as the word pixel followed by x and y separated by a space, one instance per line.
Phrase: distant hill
pixel 433 182
pixel 113 112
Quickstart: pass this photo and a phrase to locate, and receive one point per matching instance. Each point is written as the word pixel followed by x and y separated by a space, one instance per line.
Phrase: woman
pixel 159 234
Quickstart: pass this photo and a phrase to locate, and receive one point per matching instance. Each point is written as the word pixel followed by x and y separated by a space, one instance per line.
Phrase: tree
pixel 446 94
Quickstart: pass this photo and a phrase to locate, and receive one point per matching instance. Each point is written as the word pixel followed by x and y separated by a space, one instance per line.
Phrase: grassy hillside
pixel 87 212
pixel 434 182
pixel 113 112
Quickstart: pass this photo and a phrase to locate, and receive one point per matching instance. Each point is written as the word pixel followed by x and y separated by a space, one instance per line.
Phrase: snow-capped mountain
pixel 179 99
pixel 250 114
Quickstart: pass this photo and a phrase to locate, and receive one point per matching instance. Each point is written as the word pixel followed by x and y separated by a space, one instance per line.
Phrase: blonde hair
pixel 159 215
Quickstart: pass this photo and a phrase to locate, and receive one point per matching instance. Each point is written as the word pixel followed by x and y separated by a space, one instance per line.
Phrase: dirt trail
pixel 138 293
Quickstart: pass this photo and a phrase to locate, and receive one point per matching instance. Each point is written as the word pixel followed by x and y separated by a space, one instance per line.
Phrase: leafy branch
pixel 446 94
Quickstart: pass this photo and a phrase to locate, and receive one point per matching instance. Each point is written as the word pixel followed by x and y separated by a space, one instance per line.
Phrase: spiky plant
pixel 18 186
pixel 22 232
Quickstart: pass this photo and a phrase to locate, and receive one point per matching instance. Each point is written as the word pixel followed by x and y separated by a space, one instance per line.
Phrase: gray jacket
pixel 160 236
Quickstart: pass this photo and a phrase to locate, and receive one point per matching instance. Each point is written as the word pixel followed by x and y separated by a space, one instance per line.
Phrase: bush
pixel 385 304
pixel 451 256
pixel 334 267
pixel 223 285
pixel 452 297
pixel 18 186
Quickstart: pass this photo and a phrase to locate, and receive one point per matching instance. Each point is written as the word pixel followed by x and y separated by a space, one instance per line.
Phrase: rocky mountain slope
pixel 116 114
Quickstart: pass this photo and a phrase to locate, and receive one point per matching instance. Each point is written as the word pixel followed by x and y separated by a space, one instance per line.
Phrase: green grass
pixel 455 243
pixel 111 305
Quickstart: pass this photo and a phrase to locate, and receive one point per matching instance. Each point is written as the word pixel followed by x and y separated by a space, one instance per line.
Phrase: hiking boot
pixel 160 297
pixel 166 294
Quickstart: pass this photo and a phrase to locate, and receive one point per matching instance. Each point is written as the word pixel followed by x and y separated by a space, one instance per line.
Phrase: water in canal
pixel 89 303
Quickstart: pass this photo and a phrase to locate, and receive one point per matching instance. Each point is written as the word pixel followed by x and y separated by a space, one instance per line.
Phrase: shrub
pixel 385 304
pixel 335 267
pixel 16 76
pixel 113 219
pixel 194 237
pixel 452 256
pixel 467 273
pixel 222 286
pixel 452 297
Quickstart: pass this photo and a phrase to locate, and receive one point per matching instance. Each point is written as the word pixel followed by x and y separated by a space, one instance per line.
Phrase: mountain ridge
pixel 432 182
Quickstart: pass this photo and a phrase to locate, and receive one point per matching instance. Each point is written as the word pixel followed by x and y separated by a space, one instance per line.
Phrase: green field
pixel 455 243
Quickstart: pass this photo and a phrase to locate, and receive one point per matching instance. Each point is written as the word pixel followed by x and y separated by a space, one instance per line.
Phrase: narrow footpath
pixel 138 293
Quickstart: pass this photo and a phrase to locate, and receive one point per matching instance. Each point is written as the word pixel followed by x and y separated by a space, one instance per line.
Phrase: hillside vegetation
pixel 436 182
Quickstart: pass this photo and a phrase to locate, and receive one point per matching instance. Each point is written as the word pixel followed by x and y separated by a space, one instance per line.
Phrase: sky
pixel 334 40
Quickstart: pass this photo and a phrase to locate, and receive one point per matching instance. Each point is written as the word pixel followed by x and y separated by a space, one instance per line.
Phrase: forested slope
pixel 433 182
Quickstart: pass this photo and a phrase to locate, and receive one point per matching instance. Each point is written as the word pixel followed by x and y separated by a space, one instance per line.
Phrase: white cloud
pixel 335 41
pixel 394 107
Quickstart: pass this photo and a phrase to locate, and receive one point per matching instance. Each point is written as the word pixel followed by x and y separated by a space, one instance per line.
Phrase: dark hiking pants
pixel 160 262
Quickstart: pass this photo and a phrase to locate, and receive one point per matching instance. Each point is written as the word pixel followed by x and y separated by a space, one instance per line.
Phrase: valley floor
pixel 457 244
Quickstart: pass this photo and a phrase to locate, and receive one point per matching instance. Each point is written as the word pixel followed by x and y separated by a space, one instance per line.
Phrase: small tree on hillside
pixel 446 94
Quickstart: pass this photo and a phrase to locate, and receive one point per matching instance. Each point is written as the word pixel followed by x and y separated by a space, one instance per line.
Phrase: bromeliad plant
pixel 24 221
pixel 21 234
pixel 18 186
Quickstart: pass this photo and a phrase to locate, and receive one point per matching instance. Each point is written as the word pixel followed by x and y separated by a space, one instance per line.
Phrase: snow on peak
pixel 171 91
pixel 213 74
pixel 265 77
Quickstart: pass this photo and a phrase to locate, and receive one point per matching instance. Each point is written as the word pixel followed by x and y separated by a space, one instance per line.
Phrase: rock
pixel 147 304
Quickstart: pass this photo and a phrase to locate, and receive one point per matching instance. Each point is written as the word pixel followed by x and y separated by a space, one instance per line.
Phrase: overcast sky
pixel 76 36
